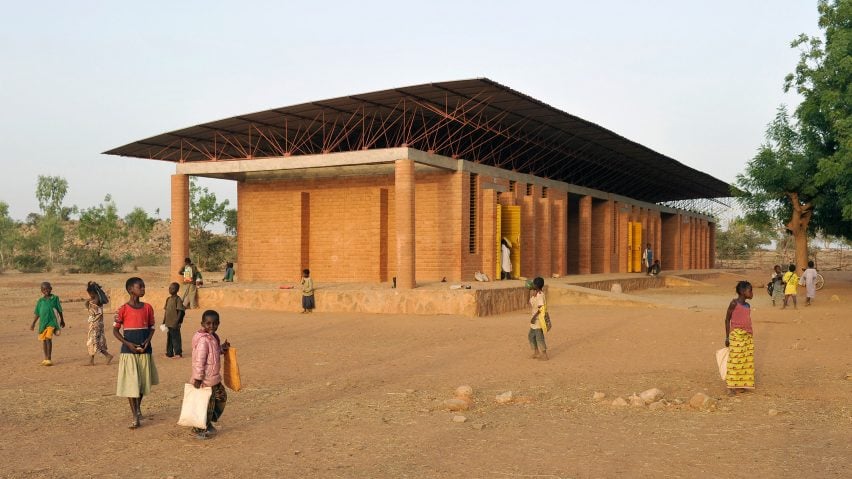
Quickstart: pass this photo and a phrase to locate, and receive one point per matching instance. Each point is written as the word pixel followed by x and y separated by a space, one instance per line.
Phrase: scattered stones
pixel 598 396
pixel 619 402
pixel 459 418
pixel 456 404
pixel 651 395
pixel 677 401
pixel 478 426
pixel 464 391
pixel 656 406
pixel 504 398
pixel 636 401
pixel 702 402
pixel 616 288
pixel 772 412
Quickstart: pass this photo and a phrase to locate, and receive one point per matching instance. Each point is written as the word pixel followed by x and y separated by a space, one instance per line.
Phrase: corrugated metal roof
pixel 477 120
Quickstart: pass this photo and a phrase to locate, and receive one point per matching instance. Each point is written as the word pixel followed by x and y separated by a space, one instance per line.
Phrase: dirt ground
pixel 347 395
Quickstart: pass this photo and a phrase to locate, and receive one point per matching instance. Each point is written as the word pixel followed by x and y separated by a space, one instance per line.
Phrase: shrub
pixel 31 263
pixel 87 261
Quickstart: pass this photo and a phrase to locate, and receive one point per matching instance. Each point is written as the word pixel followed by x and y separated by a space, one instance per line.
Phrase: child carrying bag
pixel 193 411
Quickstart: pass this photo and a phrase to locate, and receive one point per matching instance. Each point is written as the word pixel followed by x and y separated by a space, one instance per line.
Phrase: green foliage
pixel 8 236
pixel 230 222
pixel 31 263
pixel 100 227
pixel 204 211
pixel 823 77
pixel 739 240
pixel 86 260
pixel 50 234
pixel 139 223
pixel 50 192
pixel 781 166
pixel 212 251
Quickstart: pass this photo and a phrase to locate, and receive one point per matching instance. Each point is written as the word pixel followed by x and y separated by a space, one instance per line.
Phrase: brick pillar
pixel 404 212
pixel 601 236
pixel 180 224
pixel 544 235
pixel 658 236
pixel 623 214
pixel 585 235
pixel 646 231
pixel 712 244
pixel 489 237
pixel 559 251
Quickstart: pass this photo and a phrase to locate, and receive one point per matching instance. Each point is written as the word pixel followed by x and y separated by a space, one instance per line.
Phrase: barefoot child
pixel 173 318
pixel 739 337
pixel 777 281
pixel 791 288
pixel 808 279
pixel 539 309
pixel 308 303
pixel 47 308
pixel 206 362
pixel 96 339
pixel 136 369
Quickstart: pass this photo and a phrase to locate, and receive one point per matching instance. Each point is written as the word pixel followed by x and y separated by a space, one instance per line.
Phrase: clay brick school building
pixel 420 183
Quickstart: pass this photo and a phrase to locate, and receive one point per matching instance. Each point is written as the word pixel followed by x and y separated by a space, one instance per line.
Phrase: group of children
pixel 134 327
pixel 785 286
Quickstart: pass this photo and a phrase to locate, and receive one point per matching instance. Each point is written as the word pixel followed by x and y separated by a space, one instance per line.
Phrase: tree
pixel 99 226
pixel 8 235
pixel 50 192
pixel 230 221
pixel 822 77
pixel 779 184
pixel 204 211
pixel 138 222
pixel 739 240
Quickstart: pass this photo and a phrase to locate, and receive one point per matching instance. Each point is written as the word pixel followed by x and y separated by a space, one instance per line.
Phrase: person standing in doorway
pixel 648 259
pixel 505 259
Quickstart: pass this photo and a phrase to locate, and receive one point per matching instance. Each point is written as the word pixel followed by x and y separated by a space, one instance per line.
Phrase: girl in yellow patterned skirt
pixel 740 339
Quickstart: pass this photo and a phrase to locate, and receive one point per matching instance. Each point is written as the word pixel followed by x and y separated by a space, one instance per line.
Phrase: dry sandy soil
pixel 347 395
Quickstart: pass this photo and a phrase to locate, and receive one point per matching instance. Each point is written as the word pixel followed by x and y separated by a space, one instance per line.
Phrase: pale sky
pixel 697 81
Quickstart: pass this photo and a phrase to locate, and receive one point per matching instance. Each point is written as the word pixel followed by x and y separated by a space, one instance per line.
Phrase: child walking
pixel 173 318
pixel 206 367
pixel 777 281
pixel 739 337
pixel 96 339
pixel 539 309
pixel 307 283
pixel 791 288
pixel 136 369
pixel 47 308
pixel 809 278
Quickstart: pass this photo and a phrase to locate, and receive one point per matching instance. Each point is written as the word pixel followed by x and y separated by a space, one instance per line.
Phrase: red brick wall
pixel 544 237
pixel 601 236
pixel 573 244
pixel 585 261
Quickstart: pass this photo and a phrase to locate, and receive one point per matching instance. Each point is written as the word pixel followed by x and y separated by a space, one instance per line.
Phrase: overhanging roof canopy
pixel 477 120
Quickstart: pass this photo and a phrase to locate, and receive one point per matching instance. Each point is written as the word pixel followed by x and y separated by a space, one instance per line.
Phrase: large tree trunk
pixel 798 225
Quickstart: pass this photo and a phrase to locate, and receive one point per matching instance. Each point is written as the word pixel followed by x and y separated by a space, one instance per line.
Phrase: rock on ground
pixel 459 418
pixel 651 395
pixel 702 402
pixel 504 398
pixel 456 404
pixel 619 401
pixel 464 391
pixel 598 396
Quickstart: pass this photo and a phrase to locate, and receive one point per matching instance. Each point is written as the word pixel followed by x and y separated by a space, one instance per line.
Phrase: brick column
pixel 180 224
pixel 711 239
pixel 559 239
pixel 601 236
pixel 404 205
pixel 585 235
pixel 658 236
pixel 622 248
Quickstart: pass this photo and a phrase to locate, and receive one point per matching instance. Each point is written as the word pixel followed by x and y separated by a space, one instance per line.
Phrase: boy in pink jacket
pixel 206 369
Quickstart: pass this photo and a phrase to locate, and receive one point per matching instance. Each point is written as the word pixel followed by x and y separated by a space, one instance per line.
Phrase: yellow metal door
pixel 510 228
pixel 637 247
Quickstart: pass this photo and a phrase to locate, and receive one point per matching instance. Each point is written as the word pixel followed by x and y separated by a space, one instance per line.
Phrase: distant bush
pixel 149 259
pixel 88 261
pixel 31 263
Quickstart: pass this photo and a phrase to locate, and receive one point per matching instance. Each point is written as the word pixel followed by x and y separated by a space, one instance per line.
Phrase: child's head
pixel 174 288
pixel 187 261
pixel 92 289
pixel 46 288
pixel 538 283
pixel 649 245
pixel 777 268
pixel 810 264
pixel 791 268
pixel 744 289
pixel 210 321
pixel 306 273
pixel 135 287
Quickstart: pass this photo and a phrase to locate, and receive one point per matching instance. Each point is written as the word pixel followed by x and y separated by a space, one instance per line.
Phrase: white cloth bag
pixel 722 361
pixel 193 411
